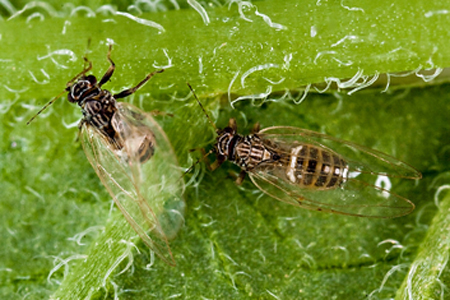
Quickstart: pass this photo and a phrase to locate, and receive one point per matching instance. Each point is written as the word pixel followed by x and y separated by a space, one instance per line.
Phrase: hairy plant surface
pixel 364 72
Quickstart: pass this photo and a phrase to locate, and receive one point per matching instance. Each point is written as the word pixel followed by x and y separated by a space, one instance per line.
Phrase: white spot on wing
pixel 292 164
pixel 385 183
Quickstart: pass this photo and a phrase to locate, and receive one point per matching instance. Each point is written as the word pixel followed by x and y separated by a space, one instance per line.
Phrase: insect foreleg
pixel 110 70
pixel 232 124
pixel 256 128
pixel 160 113
pixel 241 177
pixel 213 166
pixel 128 92
pixel 82 73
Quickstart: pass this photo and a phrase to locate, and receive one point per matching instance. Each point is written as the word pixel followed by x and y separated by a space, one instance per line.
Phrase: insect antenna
pixel 47 105
pixel 198 161
pixel 82 73
pixel 68 84
pixel 199 103
pixel 85 68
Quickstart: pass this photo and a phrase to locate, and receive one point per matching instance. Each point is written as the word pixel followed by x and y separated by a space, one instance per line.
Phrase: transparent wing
pixel 355 198
pixel 359 158
pixel 358 196
pixel 147 191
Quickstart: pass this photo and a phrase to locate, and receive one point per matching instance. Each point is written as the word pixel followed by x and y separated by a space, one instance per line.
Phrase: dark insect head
pixel 224 136
pixel 227 130
pixel 89 80
pixel 78 90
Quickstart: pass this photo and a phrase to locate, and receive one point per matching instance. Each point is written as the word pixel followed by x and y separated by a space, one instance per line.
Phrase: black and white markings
pixel 315 171
pixel 132 157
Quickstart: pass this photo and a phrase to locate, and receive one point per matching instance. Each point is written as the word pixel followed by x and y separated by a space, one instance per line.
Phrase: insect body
pixel 305 165
pixel 133 158
pixel 315 171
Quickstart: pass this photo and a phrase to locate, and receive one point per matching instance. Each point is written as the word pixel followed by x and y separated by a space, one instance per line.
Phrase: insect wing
pixel 148 193
pixel 161 174
pixel 359 158
pixel 355 197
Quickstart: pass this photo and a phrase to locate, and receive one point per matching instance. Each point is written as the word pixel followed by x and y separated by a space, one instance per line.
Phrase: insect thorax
pixel 99 107
pixel 98 111
pixel 245 151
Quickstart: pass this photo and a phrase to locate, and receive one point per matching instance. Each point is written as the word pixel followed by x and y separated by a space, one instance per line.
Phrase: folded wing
pixel 141 174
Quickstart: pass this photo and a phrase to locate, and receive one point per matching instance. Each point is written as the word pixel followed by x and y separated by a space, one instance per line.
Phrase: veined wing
pixel 359 158
pixel 356 196
pixel 138 188
pixel 158 179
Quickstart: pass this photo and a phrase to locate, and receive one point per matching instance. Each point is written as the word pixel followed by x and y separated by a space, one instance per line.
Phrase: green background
pixel 236 243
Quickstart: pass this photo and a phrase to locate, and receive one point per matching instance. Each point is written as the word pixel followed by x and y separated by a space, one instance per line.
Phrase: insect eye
pixel 228 130
pixel 91 79
pixel 77 90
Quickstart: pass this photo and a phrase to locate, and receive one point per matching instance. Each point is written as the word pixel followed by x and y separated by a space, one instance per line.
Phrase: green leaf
pixel 425 278
pixel 236 242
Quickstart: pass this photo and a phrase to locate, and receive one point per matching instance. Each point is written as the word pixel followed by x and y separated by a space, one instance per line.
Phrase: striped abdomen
pixel 311 167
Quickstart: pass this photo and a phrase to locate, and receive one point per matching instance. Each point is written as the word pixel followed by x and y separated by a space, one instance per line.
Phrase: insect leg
pixel 87 67
pixel 241 177
pixel 80 125
pixel 232 124
pixel 217 163
pixel 110 70
pixel 256 127
pixel 128 92
pixel 82 73
pixel 160 113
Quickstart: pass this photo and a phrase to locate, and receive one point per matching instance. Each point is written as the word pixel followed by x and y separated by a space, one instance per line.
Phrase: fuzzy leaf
pixel 236 243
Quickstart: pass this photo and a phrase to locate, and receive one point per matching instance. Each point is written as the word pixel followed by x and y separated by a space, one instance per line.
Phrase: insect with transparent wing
pixel 314 171
pixel 132 156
